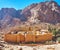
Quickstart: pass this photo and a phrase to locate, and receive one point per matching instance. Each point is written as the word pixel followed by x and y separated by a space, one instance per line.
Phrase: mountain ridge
pixel 47 12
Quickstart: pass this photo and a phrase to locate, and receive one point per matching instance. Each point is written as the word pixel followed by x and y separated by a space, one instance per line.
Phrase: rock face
pixel 10 17
pixel 48 12
pixel 44 12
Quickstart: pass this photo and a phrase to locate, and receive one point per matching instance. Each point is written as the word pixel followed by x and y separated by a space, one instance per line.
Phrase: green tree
pixel 54 31
pixel 58 31
pixel 49 29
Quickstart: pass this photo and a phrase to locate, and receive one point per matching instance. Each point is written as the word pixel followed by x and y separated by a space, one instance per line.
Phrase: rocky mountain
pixel 47 12
pixel 10 17
pixel 44 12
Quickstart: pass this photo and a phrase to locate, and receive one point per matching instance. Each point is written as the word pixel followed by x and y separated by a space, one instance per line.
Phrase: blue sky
pixel 19 4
